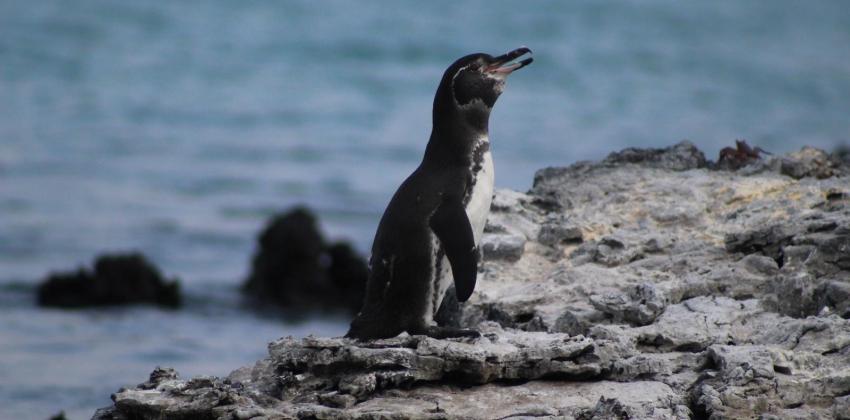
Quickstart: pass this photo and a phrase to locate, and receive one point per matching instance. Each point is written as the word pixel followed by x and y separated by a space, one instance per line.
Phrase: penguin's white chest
pixel 478 206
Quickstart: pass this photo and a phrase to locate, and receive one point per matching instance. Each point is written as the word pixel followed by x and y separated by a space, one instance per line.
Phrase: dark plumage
pixel 436 216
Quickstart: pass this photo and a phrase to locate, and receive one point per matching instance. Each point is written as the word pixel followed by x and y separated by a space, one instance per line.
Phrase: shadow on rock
pixel 295 268
pixel 116 280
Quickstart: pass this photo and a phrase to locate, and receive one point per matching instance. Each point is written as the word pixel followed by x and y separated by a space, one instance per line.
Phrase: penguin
pixel 429 234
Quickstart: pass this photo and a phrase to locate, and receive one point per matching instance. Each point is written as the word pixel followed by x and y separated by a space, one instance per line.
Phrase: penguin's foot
pixel 447 332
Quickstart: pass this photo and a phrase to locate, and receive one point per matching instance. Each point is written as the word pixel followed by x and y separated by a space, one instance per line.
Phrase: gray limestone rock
pixel 647 285
pixel 680 157
pixel 502 246
pixel 558 231
pixel 640 306
pixel 809 162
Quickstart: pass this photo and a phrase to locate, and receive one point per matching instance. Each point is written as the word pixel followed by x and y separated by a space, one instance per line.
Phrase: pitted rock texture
pixel 648 285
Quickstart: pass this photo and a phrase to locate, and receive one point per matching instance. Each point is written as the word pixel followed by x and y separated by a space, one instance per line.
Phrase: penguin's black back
pixel 426 219
pixel 403 253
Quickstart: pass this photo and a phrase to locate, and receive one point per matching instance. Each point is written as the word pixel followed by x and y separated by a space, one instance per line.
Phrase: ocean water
pixel 176 128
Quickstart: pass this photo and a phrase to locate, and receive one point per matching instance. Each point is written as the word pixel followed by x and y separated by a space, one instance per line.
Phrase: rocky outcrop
pixel 296 268
pixel 116 280
pixel 647 285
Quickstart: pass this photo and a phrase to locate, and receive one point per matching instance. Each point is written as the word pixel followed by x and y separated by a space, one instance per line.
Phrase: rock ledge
pixel 652 284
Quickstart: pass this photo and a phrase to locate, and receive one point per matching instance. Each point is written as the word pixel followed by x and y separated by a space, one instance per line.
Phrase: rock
pixel 502 246
pixel 639 307
pixel 769 241
pixel 348 272
pixel 407 377
pixel 834 295
pixel 614 408
pixel 808 162
pixel 508 201
pixel 557 232
pixel 841 410
pixel 680 157
pixel 118 279
pixel 571 324
pixel 742 364
pixel 610 251
pixel 648 285
pixel 296 268
pixel 158 376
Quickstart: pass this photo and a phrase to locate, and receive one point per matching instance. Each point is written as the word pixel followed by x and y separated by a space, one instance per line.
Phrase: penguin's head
pixel 477 80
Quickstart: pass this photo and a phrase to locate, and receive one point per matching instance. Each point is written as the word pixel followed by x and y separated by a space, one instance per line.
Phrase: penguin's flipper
pixel 451 225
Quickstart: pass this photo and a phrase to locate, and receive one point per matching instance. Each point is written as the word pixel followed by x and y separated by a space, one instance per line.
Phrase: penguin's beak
pixel 507 63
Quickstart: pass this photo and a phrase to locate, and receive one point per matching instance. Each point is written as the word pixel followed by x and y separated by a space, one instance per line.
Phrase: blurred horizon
pixel 178 128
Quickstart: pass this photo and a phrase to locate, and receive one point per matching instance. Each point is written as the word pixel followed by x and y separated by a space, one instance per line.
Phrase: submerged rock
pixel 295 267
pixel 116 280
pixel 647 285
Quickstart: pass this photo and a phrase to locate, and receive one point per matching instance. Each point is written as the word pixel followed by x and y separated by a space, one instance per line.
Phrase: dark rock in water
pixel 296 268
pixel 348 272
pixel 116 280
pixel 289 262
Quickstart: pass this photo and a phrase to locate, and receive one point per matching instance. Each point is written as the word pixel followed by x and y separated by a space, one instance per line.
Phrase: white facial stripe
pixel 457 73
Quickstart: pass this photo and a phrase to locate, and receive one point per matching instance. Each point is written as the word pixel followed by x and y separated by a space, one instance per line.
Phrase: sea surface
pixel 176 128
